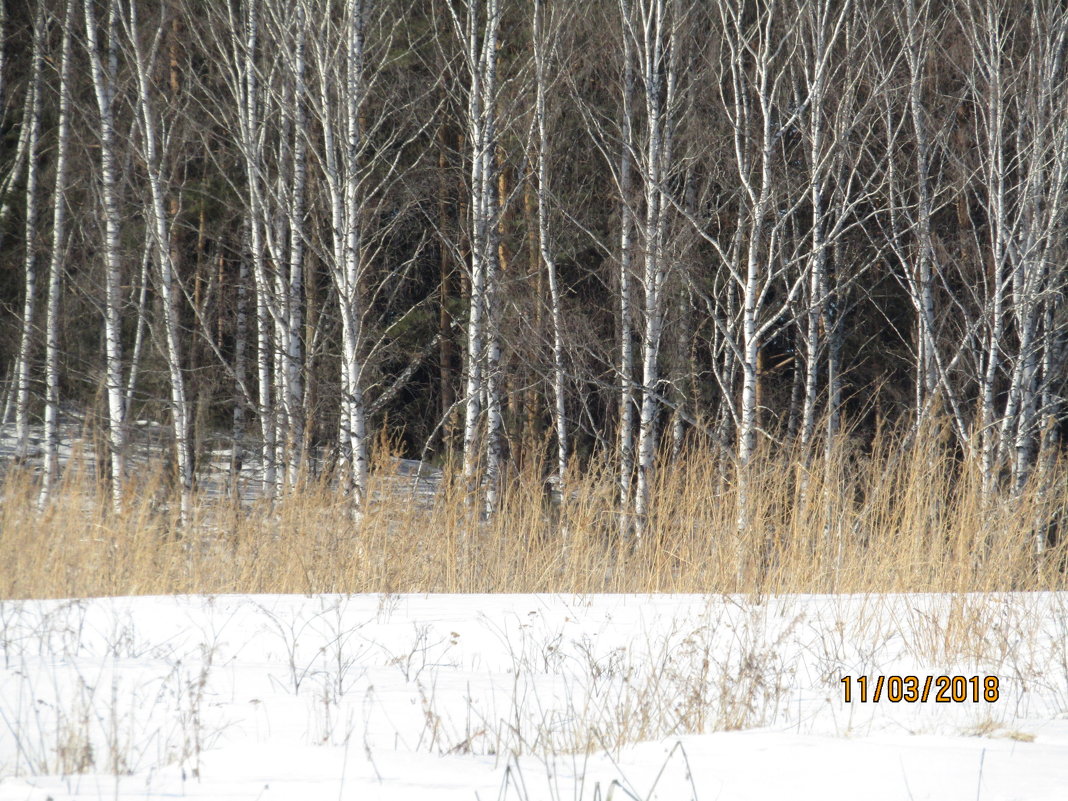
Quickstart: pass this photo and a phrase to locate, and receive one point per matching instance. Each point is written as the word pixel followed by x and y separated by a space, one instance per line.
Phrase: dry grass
pixel 882 520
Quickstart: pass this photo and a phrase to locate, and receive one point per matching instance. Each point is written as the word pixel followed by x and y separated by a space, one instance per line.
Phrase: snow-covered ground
pixel 529 697
pixel 216 477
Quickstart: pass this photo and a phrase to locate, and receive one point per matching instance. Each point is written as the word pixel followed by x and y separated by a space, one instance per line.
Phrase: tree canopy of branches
pixel 533 233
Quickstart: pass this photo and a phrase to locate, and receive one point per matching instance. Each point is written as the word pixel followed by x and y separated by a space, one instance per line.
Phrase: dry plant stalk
pixel 884 519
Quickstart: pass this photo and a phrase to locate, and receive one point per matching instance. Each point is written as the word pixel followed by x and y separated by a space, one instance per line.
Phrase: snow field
pixel 528 697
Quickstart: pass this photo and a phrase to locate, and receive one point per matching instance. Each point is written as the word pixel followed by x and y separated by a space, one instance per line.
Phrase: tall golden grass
pixel 882 518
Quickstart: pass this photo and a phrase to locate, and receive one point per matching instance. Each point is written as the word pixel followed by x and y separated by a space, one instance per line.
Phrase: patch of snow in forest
pixel 150 443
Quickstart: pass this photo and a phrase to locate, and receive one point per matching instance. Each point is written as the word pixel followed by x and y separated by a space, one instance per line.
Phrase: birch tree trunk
pixel 626 255
pixel 244 40
pixel 543 48
pixel 349 241
pixel 277 186
pixel 477 29
pixel 987 46
pixel 148 124
pixel 55 265
pixel 1051 21
pixel 655 30
pixel 494 379
pixel 294 385
pixel 341 96
pixel 143 281
pixel 759 113
pixel 918 27
pixel 754 104
pixel 1040 137
pixel 104 83
pixel 29 301
pixel 240 371
pixel 8 181
pixel 820 29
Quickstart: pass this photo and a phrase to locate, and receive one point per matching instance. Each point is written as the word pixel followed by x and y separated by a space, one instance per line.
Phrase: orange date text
pixel 916 689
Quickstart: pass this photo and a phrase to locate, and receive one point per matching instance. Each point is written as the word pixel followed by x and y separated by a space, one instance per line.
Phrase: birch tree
pixel 757 56
pixel 55 264
pixel 282 216
pixel 343 146
pixel 820 28
pixel 920 24
pixel 365 135
pixel 758 52
pixel 239 56
pixel 919 27
pixel 476 24
pixel 294 358
pixel 32 122
pixel 654 26
pixel 1035 257
pixel 543 43
pixel 12 171
pixel 626 255
pixel 238 422
pixel 758 281
pixel 103 68
pixel 148 124
pixel 1020 108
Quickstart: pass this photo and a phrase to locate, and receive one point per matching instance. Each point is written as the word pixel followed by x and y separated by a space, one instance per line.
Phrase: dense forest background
pixel 536 233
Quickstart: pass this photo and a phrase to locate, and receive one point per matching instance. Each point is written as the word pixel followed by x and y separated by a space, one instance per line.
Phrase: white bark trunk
pixel 104 81
pixel 29 300
pixel 55 265
pixel 148 125
pixel 833 200
pixel 478 31
pixel 626 247
pixel 7 183
pixel 543 48
pixel 240 371
pixel 294 401
pixel 757 259
pixel 657 57
pixel 917 33
pixel 243 45
pixel 759 113
pixel 489 219
pixel 354 411
pixel 476 304
pixel 340 118
pixel 819 36
pixel 144 279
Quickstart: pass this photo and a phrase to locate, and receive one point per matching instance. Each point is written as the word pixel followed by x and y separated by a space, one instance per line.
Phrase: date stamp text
pixel 914 689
